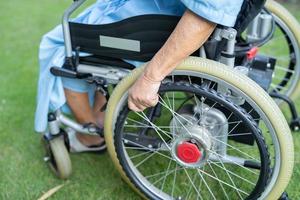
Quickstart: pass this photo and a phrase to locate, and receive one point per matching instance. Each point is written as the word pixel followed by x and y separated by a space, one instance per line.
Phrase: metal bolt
pixel 150 146
pixel 92 129
pixel 46 159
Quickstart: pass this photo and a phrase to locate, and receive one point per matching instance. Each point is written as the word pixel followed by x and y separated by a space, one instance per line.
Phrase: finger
pixel 149 102
pixel 153 101
pixel 132 107
pixel 140 106
pixel 144 103
pixel 136 105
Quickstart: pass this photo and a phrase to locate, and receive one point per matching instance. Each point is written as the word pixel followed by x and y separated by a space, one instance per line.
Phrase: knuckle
pixel 153 103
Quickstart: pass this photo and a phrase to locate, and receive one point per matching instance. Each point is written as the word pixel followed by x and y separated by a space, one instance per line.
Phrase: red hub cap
pixel 188 152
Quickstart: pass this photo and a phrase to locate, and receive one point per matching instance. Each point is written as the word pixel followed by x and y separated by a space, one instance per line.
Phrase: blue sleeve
pixel 222 12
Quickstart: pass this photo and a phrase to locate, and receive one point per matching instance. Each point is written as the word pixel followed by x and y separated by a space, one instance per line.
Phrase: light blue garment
pixel 50 88
pixel 222 12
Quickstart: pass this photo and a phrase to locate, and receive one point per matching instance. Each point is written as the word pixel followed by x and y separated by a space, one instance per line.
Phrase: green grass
pixel 23 174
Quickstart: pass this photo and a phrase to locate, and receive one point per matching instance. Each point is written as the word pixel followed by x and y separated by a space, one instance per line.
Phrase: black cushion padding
pixel 151 30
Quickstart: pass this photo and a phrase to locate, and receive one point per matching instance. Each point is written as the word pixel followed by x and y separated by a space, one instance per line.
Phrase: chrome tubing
pixel 66 28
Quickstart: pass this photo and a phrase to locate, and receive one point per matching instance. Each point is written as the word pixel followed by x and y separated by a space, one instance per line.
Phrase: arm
pixel 190 34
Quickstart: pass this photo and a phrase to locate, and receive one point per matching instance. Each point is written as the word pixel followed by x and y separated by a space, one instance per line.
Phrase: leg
pixel 83 113
pixel 99 102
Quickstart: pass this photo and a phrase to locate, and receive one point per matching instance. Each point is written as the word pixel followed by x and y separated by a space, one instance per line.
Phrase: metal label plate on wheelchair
pixel 120 43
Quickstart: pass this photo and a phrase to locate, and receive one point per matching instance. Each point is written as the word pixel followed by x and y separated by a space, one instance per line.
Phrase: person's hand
pixel 143 93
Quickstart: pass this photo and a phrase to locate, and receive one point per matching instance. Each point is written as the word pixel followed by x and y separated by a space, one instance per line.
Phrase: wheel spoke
pixel 191 181
pixel 232 161
pixel 156 129
pixel 149 149
pixel 227 184
pixel 170 172
pixel 165 177
pixel 238 150
pixel 230 172
pixel 205 183
pixel 149 126
pixel 174 181
pixel 220 183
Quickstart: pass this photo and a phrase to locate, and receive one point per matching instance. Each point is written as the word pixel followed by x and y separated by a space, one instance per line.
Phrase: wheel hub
pixel 188 152
pixel 192 146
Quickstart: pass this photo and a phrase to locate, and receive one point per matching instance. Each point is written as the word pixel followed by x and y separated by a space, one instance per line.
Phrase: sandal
pixel 77 147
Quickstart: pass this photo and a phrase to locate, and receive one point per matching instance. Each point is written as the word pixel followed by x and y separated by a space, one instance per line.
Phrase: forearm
pixel 190 34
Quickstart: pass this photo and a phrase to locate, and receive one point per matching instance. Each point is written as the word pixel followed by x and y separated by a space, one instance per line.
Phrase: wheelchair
pixel 215 133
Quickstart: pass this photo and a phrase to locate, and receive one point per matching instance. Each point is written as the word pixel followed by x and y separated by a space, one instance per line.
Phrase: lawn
pixel 23 173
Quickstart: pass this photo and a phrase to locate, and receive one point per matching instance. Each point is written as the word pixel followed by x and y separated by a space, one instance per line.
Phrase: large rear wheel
pixel 285 47
pixel 199 143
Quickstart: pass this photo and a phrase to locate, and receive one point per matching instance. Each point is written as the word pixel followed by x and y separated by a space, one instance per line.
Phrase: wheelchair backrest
pixel 136 38
pixel 139 38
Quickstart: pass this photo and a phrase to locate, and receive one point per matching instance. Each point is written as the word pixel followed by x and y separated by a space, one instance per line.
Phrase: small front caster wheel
pixel 57 156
